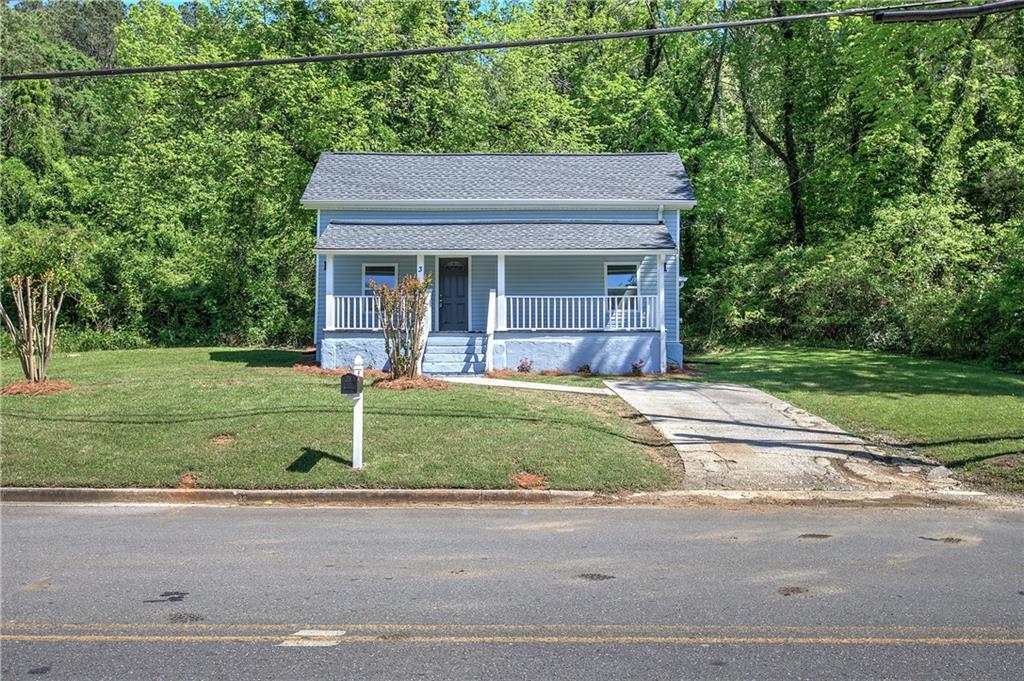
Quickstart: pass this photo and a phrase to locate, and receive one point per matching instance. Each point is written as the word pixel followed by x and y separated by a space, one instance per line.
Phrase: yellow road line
pixel 558 640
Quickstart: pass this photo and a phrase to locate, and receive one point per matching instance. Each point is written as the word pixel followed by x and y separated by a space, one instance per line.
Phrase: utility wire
pixel 945 14
pixel 477 47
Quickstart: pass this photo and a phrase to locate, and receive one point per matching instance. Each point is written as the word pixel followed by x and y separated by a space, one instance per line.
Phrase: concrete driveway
pixel 737 437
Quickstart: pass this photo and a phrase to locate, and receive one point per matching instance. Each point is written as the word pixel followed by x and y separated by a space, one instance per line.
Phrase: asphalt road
pixel 94 592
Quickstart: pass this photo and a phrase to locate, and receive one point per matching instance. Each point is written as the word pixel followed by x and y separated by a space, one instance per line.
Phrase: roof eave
pixel 314 204
pixel 443 252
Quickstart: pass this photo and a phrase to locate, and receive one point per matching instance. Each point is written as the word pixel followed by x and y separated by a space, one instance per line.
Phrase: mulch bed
pixel 685 371
pixel 311 367
pixel 35 389
pixel 512 373
pixel 406 383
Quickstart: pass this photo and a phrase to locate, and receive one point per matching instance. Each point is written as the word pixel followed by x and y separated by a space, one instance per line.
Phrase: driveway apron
pixel 737 437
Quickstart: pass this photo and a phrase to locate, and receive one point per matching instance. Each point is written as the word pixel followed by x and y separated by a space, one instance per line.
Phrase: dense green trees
pixel 858 184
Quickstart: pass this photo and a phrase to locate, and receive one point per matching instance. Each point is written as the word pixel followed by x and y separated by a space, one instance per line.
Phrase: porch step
pixel 455 354
pixel 446 368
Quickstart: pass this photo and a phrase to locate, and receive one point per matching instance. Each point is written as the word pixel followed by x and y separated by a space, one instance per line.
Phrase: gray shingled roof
pixel 495 236
pixel 653 177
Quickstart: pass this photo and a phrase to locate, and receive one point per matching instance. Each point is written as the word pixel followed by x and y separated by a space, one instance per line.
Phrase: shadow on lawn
pixel 861 372
pixel 984 457
pixel 311 457
pixel 258 358
pixel 169 418
pixel 965 440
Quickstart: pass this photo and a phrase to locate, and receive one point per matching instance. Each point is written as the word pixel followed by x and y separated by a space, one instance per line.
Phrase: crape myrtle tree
pixel 37 273
pixel 402 311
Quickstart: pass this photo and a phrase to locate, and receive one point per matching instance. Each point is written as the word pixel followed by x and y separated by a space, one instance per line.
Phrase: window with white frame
pixel 382 274
pixel 620 279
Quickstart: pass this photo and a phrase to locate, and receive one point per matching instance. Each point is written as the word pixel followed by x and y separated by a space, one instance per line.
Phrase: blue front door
pixel 453 291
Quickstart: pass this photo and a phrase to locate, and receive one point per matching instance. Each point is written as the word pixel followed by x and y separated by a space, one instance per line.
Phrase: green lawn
pixel 244 418
pixel 968 417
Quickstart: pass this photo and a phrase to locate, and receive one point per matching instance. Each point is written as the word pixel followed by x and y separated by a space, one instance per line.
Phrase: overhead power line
pixel 480 47
pixel 888 16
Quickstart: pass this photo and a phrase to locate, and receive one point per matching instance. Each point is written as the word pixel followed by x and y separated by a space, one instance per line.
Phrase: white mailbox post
pixel 352 386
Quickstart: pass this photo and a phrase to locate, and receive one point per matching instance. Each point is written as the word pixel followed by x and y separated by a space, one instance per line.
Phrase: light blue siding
pixel 605 353
pixel 570 275
pixel 484 277
pixel 348 270
pixel 567 275
pixel 672 280
pixel 673 348
pixel 339 349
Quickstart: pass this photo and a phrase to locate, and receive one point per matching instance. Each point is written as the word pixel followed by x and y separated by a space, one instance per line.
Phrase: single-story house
pixel 564 259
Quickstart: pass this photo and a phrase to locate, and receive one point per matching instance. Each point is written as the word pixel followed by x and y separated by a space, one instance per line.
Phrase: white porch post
pixel 501 293
pixel 329 317
pixel 435 317
pixel 421 274
pixel 663 364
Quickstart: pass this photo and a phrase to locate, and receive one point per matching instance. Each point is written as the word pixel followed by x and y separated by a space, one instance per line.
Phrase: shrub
pixel 637 367
pixel 402 311
pixel 583 369
pixel 525 365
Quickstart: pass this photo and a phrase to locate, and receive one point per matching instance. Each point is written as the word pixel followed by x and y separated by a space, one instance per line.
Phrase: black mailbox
pixel 351 384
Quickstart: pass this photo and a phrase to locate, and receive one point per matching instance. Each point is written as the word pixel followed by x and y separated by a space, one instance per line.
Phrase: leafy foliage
pixel 858 184
pixel 403 312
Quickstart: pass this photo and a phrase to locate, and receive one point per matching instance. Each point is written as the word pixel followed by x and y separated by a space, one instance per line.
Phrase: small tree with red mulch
pixel 37 302
pixel 402 312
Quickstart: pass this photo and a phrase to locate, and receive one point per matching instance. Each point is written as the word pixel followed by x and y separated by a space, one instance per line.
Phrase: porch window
pixel 620 279
pixel 382 274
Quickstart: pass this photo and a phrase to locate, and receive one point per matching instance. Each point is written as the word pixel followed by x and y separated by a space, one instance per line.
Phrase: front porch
pixel 488 311
pixel 563 293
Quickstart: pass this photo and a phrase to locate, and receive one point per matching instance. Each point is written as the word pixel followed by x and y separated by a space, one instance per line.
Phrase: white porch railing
pixel 356 313
pixel 581 313
pixel 352 313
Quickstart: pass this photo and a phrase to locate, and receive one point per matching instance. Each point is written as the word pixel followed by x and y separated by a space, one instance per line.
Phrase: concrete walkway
pixel 737 437
pixel 528 385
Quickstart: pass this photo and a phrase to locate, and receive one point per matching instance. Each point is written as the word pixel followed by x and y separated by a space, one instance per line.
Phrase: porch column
pixel 428 322
pixel 329 321
pixel 501 293
pixel 663 363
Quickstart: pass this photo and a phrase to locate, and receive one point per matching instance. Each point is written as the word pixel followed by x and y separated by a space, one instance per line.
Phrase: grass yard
pixel 244 418
pixel 968 417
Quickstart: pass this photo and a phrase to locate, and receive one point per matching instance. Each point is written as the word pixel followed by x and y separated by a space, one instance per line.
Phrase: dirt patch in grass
pixel 407 383
pixel 187 481
pixel 35 389
pixel 221 439
pixel 527 480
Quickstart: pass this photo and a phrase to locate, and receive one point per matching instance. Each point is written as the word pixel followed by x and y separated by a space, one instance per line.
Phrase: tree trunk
pixel 36 310
pixel 796 196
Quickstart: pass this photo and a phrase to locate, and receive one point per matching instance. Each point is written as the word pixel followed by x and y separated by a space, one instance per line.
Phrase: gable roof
pixel 358 178
pixel 577 237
